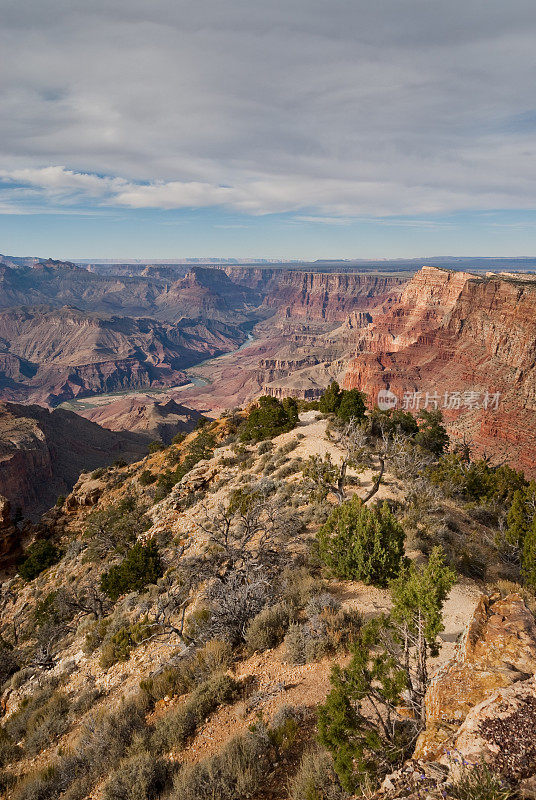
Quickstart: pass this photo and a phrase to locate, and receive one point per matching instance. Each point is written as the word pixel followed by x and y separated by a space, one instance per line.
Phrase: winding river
pixel 85 403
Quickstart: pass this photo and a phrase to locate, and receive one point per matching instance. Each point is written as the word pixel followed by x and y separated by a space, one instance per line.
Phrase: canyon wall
pixel 52 355
pixel 315 295
pixel 451 334
pixel 42 453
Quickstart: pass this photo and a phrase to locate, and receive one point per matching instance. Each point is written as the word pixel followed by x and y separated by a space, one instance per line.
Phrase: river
pixel 85 403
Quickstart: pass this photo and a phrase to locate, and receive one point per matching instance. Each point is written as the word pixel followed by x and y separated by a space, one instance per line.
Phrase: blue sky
pixel 296 129
pixel 153 234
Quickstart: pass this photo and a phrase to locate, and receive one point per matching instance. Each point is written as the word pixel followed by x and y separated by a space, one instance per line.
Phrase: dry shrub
pixel 267 629
pixel 214 657
pixel 178 725
pixel 316 779
pixel 140 777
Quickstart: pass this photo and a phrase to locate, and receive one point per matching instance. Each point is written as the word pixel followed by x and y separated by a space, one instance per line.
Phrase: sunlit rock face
pixel 456 333
pixel 495 658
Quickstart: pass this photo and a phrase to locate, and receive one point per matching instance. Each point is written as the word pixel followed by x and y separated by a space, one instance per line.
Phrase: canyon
pixel 66 332
pixel 210 339
pixel 51 355
pixel 456 341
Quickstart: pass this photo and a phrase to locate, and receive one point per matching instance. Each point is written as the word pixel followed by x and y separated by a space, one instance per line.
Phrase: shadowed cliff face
pixel 42 453
pixel 453 332
pixel 329 297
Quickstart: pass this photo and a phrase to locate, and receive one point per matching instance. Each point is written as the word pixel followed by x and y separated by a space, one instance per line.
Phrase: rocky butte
pixel 452 332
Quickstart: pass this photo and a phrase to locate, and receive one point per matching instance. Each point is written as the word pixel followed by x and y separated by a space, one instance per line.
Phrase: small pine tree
pixel 418 594
pixel 528 558
pixel 39 556
pixel 432 434
pixel 351 406
pixel 362 543
pixel 268 418
pixel 331 399
pixel 291 409
pixel 140 567
pixel 358 723
pixel 364 723
pixel 521 514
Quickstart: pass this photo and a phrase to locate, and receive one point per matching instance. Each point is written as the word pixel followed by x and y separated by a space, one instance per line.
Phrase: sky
pixel 267 128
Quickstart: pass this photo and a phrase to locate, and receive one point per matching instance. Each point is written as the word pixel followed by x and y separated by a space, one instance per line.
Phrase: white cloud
pixel 327 110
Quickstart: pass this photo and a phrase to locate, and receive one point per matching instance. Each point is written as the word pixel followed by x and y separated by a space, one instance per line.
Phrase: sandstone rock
pixel 204 472
pixel 415 779
pixel 87 493
pixel 500 732
pixel 498 649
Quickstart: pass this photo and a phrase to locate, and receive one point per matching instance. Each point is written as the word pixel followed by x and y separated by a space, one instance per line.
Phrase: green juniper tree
pixel 331 399
pixel 418 595
pixel 528 557
pixel 140 567
pixel 359 723
pixel 432 435
pixel 268 418
pixel 359 542
pixel 351 406
pixel 521 514
pixel 364 722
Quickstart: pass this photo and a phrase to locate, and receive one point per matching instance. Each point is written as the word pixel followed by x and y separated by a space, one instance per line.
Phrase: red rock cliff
pixel 317 295
pixel 454 332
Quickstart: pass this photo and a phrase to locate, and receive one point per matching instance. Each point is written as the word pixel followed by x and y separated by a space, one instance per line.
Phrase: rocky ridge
pixel 486 681
pixel 142 414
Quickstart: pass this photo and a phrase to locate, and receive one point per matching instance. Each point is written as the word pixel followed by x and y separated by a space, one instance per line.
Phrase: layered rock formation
pixel 480 709
pixel 52 355
pixel 42 453
pixel 453 333
pixel 209 293
pixel 330 297
pixel 497 650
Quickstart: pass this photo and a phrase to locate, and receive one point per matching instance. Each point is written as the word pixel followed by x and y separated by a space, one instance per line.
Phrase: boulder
pixel 498 649
pixel 500 732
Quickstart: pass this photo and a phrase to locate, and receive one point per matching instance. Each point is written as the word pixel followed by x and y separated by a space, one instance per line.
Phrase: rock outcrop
pixel 496 653
pixel 9 535
pixel 499 732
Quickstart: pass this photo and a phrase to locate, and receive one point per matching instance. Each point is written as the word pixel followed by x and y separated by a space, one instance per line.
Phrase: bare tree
pixel 359 452
pixel 166 614
pixel 84 601
pixel 245 535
